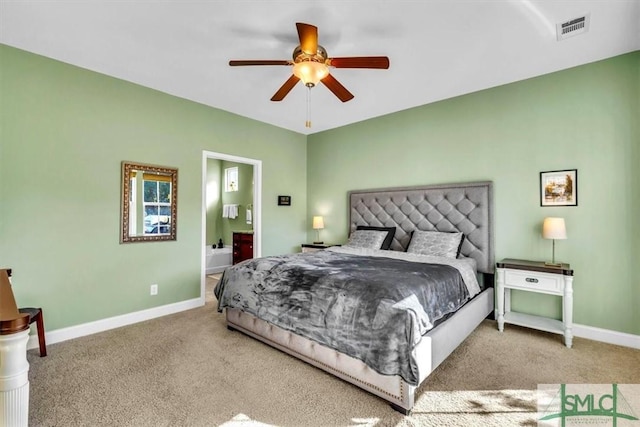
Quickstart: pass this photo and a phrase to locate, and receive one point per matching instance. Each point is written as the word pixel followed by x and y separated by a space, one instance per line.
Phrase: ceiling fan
pixel 311 65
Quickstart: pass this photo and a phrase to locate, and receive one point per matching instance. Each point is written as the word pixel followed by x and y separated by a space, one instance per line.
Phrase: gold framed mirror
pixel 149 203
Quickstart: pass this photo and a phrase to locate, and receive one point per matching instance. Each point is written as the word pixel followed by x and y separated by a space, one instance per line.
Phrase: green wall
pixel 243 198
pixel 584 118
pixel 64 132
pixel 214 201
pixel 223 228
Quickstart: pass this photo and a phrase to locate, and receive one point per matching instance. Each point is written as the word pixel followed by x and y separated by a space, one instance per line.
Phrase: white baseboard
pixel 219 269
pixel 606 335
pixel 84 329
pixel 64 334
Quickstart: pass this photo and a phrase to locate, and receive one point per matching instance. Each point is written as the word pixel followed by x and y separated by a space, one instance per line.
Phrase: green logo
pixel 585 403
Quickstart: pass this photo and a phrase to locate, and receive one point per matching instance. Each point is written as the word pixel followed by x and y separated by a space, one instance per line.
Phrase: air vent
pixel 573 27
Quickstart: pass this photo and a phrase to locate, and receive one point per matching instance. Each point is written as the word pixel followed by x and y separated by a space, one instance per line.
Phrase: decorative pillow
pixel 370 239
pixel 435 243
pixel 391 231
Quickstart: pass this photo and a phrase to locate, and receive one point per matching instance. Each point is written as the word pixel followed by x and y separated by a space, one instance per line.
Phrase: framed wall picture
pixel 559 188
pixel 284 200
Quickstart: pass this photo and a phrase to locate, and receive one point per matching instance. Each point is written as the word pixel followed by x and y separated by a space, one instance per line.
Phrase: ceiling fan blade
pixel 236 63
pixel 285 88
pixel 381 62
pixel 308 35
pixel 337 88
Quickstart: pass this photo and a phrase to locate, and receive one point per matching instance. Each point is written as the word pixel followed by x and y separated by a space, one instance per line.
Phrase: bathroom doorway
pixel 231 195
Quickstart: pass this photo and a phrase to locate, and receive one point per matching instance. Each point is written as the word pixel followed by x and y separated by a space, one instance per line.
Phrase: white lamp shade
pixel 310 72
pixel 554 228
pixel 318 223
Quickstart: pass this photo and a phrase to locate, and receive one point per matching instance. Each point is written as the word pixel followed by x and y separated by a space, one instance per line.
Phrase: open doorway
pixel 242 212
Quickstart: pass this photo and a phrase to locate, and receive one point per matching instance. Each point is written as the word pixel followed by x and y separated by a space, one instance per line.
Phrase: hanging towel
pixel 230 211
pixel 248 216
pixel 233 211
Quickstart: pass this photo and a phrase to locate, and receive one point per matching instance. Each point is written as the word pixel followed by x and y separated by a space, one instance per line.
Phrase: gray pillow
pixel 391 231
pixel 435 243
pixel 369 239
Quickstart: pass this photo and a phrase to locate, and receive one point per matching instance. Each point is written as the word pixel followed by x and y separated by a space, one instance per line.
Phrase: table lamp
pixel 554 229
pixel 318 224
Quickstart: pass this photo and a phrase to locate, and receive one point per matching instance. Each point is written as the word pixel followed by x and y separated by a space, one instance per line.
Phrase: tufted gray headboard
pixel 466 207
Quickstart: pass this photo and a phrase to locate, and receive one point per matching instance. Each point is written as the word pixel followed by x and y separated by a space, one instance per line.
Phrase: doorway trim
pixel 256 212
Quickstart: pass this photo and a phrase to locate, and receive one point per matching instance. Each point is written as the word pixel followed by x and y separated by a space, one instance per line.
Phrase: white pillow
pixel 435 243
pixel 369 239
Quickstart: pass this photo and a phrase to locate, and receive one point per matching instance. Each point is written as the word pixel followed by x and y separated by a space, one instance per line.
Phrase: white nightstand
pixel 535 276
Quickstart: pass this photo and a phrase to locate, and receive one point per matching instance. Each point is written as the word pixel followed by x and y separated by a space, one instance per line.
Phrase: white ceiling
pixel 438 49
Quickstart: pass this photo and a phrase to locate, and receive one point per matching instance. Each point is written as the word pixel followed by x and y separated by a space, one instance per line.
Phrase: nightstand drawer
pixel 533 280
pixel 313 247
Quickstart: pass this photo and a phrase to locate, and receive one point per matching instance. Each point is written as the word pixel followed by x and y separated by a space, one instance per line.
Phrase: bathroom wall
pixel 214 201
pixel 217 226
pixel 243 197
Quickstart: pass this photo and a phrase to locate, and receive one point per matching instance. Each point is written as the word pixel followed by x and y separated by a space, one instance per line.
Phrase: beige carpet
pixel 189 370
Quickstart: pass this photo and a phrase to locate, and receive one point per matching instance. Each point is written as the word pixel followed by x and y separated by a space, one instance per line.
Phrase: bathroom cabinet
pixel 242 246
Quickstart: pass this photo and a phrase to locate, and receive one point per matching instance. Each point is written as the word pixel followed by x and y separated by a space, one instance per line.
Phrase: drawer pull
pixel 531 280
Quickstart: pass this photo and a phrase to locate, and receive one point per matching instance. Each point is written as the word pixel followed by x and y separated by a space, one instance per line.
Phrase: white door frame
pixel 256 213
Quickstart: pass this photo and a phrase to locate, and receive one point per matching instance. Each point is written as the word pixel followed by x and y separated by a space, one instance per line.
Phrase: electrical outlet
pixel 153 290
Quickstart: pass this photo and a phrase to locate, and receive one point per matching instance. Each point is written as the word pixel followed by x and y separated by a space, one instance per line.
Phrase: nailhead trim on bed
pixel 400 398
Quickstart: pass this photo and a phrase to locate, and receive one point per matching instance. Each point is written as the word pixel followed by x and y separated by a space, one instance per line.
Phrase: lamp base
pixel 318 243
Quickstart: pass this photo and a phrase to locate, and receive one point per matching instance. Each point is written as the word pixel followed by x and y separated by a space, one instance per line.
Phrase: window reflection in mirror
pixel 149 203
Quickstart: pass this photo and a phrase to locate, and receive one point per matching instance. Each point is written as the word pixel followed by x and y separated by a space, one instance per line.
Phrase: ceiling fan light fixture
pixel 310 72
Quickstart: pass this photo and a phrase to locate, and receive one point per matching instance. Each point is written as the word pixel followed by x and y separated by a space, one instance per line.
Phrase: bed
pixel 384 338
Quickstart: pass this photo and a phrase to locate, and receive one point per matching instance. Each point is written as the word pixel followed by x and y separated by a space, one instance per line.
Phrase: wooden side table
pixel 535 276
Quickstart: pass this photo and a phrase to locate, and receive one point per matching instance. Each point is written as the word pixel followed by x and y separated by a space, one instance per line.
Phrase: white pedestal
pixel 14 380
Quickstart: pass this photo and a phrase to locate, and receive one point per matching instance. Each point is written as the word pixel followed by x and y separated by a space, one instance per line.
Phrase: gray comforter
pixel 371 307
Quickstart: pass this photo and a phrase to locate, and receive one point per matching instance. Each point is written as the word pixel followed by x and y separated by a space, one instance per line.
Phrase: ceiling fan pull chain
pixel 308 122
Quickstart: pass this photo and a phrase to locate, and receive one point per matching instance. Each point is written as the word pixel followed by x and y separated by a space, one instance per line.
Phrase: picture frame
pixel 284 200
pixel 559 188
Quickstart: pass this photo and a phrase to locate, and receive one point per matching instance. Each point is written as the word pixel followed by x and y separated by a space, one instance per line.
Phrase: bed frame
pixel 463 207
